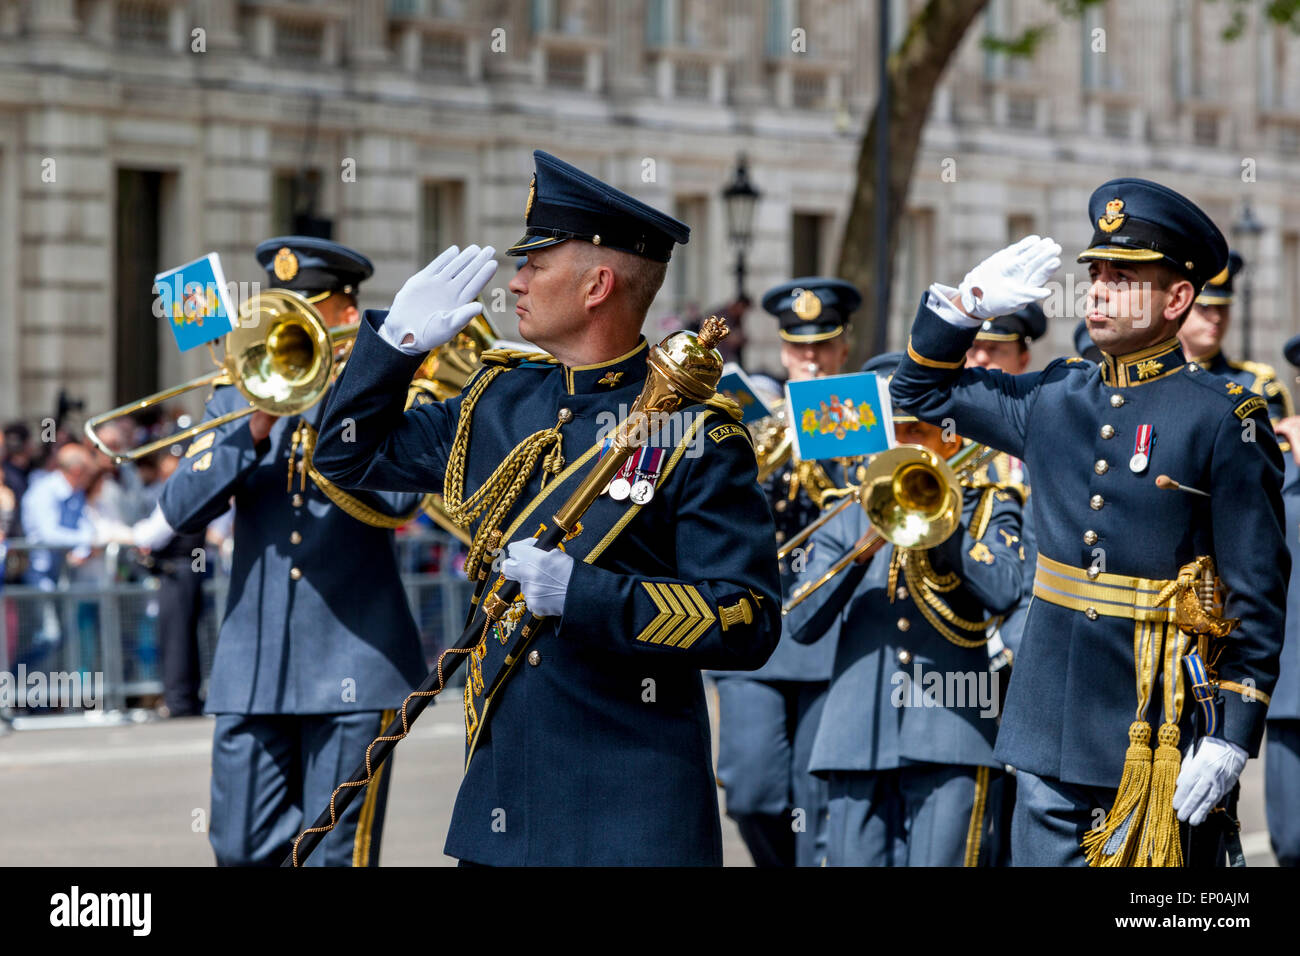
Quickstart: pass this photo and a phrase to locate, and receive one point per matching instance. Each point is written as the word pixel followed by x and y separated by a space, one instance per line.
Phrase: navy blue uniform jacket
pixel 1073 695
pixel 597 750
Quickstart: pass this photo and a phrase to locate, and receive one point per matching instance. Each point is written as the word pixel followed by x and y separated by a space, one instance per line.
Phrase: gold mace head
pixel 687 364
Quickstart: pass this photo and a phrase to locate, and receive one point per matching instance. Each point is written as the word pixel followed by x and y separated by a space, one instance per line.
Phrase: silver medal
pixel 1138 463
pixel 619 489
pixel 642 492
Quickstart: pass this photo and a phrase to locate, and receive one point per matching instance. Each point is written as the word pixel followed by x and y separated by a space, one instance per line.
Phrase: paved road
pixel 137 795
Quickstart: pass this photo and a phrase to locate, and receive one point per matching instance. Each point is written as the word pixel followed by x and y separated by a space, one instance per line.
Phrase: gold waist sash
pixel 1106 595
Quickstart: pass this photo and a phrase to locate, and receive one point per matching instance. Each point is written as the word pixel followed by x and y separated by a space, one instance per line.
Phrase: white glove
pixel 438 301
pixel 1010 278
pixel 1205 777
pixel 543 576
pixel 153 532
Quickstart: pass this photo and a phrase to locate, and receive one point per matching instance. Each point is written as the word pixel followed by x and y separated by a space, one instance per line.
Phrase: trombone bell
pixel 280 356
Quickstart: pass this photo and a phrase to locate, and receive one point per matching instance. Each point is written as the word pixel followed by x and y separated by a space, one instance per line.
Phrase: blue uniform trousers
pixel 923 814
pixel 1282 790
pixel 272 774
pixel 1051 818
pixel 765 737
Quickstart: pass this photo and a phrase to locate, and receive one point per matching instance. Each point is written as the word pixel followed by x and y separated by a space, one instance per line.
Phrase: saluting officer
pixel 318 645
pixel 1202 336
pixel 906 735
pixel 766 719
pixel 587 738
pixel 1282 762
pixel 1152 476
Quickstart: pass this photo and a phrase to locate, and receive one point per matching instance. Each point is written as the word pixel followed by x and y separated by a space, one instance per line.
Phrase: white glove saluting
pixel 1205 777
pixel 438 301
pixel 1010 279
pixel 543 576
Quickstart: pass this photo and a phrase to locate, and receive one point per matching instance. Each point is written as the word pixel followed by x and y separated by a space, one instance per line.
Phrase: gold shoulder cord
pixel 922 580
pixel 353 506
pixel 498 494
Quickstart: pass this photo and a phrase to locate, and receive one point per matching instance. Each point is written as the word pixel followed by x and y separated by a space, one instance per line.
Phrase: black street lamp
pixel 1247 230
pixel 740 197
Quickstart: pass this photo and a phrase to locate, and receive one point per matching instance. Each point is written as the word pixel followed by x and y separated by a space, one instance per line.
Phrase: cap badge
pixel 1114 217
pixel 532 194
pixel 806 305
pixel 286 264
pixel 1220 279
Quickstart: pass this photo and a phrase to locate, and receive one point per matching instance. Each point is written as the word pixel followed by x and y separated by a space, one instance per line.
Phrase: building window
pixel 1288 141
pixel 143 23
pixel 809 91
pixel 294 200
pixel 1205 129
pixel 781 15
pixel 442 217
pixel 563 16
pixel 1291 270
pixel 806 243
pixel 299 41
pixel 1019 226
pixel 914 267
pixel 1117 122
pixel 442 54
pixel 689 281
pixel 691 80
pixel 566 69
pixel 1022 112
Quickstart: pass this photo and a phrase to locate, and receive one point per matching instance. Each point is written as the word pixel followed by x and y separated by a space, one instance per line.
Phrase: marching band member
pixel 1142 466
pixel 317 644
pixel 906 735
pixel 590 743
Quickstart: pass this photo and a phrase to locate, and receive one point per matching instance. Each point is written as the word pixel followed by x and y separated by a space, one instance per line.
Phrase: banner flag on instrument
pixel 195 301
pixel 735 385
pixel 840 416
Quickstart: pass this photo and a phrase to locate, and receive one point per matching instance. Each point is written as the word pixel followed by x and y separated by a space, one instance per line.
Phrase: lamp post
pixel 1247 230
pixel 740 197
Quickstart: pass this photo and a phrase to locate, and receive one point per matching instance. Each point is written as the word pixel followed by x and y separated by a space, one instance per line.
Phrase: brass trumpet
pixel 912 498
pixel 280 356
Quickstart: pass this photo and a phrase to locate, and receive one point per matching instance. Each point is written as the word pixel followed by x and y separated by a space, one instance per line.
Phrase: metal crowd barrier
pixel 101 619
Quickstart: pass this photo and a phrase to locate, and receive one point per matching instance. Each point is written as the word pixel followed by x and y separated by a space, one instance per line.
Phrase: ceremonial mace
pixel 684 370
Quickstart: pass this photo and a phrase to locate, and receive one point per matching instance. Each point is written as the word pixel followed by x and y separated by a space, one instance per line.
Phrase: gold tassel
pixel 1124 822
pixel 1160 844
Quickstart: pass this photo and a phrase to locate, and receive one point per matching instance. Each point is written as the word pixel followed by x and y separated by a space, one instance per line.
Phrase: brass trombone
pixel 280 356
pixel 912 498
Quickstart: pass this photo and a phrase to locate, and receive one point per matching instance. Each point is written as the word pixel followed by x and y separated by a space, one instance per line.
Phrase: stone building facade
pixel 138 134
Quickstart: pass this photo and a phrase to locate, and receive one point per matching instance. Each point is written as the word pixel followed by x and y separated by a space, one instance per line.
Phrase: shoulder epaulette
pixel 513 358
pixel 1223 387
pixel 724 404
